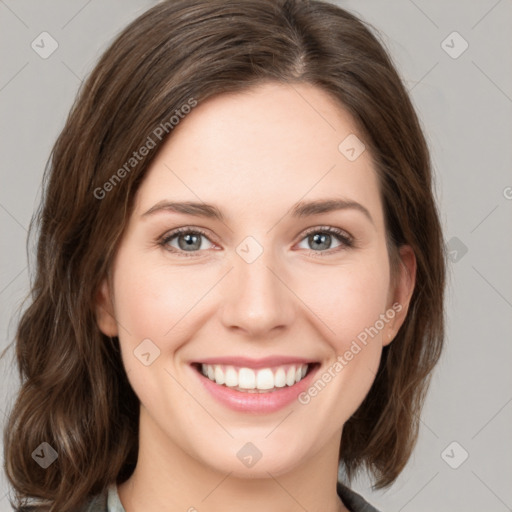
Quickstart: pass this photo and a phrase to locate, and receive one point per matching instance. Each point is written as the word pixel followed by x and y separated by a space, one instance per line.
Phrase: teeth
pixel 219 375
pixel 265 379
pixel 280 378
pixel 246 378
pixel 290 376
pixel 262 380
pixel 231 377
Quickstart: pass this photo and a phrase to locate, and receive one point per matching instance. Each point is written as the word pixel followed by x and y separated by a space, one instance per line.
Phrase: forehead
pixel 261 150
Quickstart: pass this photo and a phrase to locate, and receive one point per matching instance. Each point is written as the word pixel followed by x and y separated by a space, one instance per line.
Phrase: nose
pixel 257 300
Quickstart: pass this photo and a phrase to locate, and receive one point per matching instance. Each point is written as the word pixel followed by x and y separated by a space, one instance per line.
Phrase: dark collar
pixel 353 501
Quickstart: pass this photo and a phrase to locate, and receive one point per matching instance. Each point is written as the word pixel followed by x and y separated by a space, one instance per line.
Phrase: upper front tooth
pixel 265 379
pixel 246 378
pixel 231 377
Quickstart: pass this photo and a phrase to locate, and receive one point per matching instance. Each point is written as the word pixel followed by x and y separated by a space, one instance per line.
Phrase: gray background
pixel 465 105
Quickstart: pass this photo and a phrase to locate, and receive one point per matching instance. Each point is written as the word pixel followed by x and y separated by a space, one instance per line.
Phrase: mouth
pixel 245 379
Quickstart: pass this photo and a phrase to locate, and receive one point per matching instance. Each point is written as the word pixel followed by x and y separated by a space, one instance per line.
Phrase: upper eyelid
pixel 329 229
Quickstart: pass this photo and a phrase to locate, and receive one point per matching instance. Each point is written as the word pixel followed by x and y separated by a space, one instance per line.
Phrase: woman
pixel 240 271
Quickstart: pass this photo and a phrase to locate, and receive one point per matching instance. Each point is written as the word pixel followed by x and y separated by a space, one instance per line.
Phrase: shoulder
pixel 353 501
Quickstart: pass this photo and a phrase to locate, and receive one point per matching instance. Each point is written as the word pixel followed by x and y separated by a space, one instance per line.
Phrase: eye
pixel 320 238
pixel 188 240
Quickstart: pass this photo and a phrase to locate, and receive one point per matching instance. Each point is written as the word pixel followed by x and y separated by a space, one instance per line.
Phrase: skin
pixel 254 155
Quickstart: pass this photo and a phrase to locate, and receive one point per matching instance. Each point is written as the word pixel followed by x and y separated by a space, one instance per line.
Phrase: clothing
pixel 110 502
pixel 353 501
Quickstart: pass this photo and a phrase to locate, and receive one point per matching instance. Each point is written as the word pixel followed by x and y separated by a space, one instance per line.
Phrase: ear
pixel 401 291
pixel 104 308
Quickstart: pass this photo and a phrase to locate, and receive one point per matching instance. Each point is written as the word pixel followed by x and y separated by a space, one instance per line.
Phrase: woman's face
pixel 261 282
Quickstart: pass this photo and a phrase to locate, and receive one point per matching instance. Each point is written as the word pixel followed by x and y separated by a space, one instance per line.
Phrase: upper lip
pixel 246 362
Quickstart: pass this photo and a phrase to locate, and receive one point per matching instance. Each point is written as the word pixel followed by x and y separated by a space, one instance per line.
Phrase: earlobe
pixel 403 289
pixel 104 307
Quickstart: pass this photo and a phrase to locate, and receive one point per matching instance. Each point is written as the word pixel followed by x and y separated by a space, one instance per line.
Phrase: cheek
pixel 346 299
pixel 154 300
pixel 350 303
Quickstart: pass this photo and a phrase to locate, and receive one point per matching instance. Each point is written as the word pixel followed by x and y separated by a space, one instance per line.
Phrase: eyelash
pixel 346 240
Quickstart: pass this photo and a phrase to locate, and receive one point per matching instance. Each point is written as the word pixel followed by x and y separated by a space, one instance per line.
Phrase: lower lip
pixel 256 402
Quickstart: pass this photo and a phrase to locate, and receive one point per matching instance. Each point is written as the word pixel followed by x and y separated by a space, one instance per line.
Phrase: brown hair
pixel 74 393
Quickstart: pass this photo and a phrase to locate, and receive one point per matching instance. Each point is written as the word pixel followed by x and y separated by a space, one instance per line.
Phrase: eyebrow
pixel 299 210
